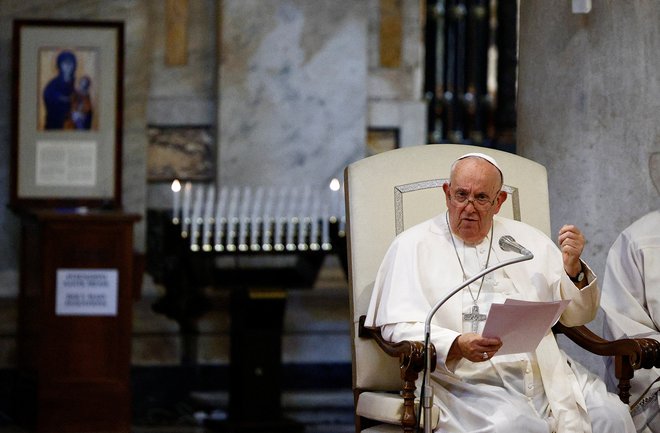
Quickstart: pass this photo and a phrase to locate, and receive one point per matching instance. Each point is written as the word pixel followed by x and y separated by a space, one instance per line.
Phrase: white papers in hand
pixel 521 324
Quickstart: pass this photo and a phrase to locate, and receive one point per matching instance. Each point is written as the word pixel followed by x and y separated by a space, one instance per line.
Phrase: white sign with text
pixel 86 292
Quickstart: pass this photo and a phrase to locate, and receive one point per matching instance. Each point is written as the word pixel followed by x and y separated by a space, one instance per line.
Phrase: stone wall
pixel 588 94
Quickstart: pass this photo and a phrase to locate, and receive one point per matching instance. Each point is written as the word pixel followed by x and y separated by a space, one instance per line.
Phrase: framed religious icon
pixel 66 107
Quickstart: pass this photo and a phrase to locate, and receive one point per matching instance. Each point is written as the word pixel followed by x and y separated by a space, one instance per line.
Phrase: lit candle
pixel 232 218
pixel 325 228
pixel 196 218
pixel 255 219
pixel 279 220
pixel 266 221
pixel 334 187
pixel 244 216
pixel 314 222
pixel 291 220
pixel 176 198
pixel 303 217
pixel 220 218
pixel 208 218
pixel 197 204
pixel 185 215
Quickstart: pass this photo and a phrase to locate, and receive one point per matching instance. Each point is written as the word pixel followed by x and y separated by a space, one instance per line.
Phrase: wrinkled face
pixel 473 197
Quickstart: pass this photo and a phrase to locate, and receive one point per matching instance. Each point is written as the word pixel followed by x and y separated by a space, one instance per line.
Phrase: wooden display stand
pixel 77 283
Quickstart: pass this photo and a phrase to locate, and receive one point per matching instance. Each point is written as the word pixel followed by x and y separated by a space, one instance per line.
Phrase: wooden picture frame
pixel 66 107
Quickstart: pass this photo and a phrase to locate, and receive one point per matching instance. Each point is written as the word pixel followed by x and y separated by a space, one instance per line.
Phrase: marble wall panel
pixel 292 90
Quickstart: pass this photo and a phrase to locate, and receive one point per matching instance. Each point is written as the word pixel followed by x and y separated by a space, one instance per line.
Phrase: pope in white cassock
pixel 478 390
pixel 631 302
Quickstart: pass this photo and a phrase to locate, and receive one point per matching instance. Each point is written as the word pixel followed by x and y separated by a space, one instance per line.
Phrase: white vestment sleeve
pixel 584 302
pixel 631 280
pixel 442 339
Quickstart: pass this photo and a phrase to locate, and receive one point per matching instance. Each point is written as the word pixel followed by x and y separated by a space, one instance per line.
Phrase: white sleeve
pixel 442 338
pixel 627 275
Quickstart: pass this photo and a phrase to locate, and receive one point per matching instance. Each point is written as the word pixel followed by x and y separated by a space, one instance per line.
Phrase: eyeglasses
pixel 480 202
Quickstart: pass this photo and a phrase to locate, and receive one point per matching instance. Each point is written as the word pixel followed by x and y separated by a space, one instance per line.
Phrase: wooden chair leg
pixel 624 372
pixel 409 419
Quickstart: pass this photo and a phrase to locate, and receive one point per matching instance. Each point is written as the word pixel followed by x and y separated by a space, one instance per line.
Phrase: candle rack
pixel 253 219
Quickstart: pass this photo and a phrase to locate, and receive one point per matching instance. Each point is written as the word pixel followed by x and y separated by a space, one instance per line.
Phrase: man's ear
pixel 501 198
pixel 445 188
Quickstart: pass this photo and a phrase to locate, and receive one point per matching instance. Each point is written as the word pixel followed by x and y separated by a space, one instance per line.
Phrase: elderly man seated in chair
pixel 476 389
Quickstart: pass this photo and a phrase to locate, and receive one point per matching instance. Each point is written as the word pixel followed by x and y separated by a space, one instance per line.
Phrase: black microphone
pixel 508 243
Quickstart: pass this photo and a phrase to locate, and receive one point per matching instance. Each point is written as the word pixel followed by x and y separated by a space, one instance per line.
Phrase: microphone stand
pixel 427 392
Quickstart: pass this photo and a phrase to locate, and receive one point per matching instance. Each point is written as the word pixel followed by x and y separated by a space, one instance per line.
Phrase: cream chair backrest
pixel 389 192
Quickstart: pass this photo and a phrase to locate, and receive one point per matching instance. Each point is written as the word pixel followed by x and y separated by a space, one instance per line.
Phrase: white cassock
pixel 631 302
pixel 521 393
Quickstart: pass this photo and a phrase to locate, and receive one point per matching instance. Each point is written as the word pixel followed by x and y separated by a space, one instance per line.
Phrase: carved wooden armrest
pixel 411 363
pixel 630 354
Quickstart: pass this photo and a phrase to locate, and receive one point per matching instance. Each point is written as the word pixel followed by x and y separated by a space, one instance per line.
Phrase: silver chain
pixel 490 248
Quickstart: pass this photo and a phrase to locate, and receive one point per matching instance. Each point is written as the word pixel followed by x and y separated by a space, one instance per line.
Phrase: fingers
pixel 477 348
pixel 571 243
pixel 571 237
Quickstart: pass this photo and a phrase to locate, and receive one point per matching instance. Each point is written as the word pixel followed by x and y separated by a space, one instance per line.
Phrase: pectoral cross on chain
pixel 474 317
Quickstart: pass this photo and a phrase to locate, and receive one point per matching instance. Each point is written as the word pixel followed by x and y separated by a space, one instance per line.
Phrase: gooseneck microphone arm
pixel 427 391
